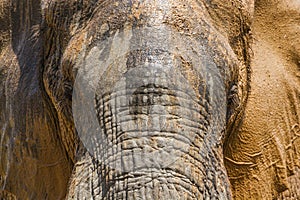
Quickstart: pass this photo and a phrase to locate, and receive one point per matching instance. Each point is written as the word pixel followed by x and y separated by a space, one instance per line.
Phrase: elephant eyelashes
pixel 233 101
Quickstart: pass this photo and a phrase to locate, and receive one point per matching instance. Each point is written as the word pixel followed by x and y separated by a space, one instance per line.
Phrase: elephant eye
pixel 233 101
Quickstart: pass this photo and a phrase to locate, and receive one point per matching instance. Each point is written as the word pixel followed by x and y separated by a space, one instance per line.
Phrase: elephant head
pixel 157 87
pixel 140 95
pixel 137 98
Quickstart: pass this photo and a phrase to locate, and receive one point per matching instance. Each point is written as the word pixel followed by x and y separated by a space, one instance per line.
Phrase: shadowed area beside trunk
pixel 32 157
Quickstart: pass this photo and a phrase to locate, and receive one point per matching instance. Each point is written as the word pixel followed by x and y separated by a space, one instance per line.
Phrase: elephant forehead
pixel 104 18
pixel 150 52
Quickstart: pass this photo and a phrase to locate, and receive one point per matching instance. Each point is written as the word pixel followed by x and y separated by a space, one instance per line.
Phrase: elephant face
pixel 141 94
pixel 140 99
pixel 154 88
pixel 153 107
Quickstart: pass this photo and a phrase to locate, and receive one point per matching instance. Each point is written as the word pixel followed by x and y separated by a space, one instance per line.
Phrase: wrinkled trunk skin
pixel 169 81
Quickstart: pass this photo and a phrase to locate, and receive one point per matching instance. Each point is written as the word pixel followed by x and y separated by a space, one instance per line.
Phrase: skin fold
pixel 149 99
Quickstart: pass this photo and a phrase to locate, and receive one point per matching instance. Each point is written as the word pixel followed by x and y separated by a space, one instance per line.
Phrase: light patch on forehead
pixel 95 65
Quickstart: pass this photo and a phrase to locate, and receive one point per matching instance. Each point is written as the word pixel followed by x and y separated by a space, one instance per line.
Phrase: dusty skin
pixel 255 46
pixel 263 157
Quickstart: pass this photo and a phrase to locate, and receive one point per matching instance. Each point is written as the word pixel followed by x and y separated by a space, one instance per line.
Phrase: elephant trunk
pixel 157 141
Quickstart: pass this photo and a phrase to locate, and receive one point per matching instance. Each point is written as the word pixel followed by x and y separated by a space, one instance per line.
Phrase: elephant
pixel 140 99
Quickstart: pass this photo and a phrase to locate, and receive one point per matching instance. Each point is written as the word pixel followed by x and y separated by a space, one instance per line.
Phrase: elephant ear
pixel 292 141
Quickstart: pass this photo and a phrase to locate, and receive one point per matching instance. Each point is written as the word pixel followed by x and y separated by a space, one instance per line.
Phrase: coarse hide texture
pixel 255 47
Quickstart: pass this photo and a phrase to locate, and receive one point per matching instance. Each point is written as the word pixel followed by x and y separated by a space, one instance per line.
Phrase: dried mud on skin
pixel 262 156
